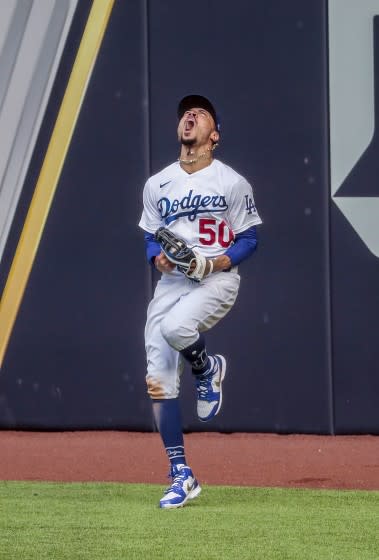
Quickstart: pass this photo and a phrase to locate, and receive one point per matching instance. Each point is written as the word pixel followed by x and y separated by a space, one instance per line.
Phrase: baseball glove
pixel 187 260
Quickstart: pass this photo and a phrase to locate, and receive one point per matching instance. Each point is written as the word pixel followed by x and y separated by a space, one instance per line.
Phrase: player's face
pixel 196 127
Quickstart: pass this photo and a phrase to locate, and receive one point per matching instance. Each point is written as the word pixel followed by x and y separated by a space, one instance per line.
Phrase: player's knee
pixel 171 332
pixel 178 336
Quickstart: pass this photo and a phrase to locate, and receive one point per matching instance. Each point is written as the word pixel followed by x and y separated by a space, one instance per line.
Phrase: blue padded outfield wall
pixel 295 86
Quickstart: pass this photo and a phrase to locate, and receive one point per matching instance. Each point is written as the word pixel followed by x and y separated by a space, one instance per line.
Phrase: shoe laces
pixel 177 480
pixel 204 386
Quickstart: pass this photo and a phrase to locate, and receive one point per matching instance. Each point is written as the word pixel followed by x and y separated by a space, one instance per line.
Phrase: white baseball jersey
pixel 206 208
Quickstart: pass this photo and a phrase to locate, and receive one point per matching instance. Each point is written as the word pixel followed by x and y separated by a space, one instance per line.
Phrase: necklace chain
pixel 201 156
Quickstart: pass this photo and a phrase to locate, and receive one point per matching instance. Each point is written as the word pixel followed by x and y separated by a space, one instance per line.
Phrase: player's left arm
pixel 243 218
pixel 245 244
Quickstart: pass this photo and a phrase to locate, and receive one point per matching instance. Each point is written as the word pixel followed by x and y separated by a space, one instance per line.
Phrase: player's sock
pixel 169 423
pixel 197 356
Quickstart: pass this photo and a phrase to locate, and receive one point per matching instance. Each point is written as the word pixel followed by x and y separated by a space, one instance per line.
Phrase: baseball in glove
pixel 188 261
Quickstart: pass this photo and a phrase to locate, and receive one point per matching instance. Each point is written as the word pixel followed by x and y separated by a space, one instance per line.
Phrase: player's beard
pixel 188 141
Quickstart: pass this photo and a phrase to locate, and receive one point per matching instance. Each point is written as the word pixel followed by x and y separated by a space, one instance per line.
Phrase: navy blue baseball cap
pixel 191 101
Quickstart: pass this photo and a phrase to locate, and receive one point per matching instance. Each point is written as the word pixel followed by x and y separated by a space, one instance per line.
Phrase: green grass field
pixel 96 521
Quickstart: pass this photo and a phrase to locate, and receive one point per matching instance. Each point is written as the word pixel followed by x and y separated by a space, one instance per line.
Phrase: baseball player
pixel 211 207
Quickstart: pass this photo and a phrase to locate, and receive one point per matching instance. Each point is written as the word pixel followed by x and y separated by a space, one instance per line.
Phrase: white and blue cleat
pixel 184 487
pixel 209 389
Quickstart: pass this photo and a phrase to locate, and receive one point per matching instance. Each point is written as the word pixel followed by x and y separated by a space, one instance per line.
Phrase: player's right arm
pixel 150 221
pixel 154 254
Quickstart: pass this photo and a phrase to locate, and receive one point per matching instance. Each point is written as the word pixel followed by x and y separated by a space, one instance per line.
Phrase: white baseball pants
pixel 179 310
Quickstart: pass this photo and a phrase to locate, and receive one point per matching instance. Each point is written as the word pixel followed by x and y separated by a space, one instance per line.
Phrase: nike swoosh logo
pixel 164 184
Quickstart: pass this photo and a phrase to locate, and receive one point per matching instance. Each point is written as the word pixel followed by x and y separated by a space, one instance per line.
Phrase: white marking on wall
pixel 32 37
pixel 352 118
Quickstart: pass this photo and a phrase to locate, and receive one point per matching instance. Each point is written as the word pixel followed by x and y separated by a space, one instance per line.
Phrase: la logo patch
pixel 249 204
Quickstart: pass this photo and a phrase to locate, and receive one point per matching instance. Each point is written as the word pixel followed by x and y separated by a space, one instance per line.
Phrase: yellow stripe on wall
pixel 51 169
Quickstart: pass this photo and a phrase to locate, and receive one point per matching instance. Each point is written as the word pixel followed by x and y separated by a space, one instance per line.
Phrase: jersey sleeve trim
pixel 147 228
pixel 256 222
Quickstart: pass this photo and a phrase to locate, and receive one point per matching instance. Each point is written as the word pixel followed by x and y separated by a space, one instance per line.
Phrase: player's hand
pixel 222 262
pixel 163 264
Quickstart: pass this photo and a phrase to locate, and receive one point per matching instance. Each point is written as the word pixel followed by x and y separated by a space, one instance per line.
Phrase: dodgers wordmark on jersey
pixel 206 208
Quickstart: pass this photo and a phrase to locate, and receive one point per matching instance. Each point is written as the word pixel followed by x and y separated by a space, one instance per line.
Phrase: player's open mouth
pixel 189 124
